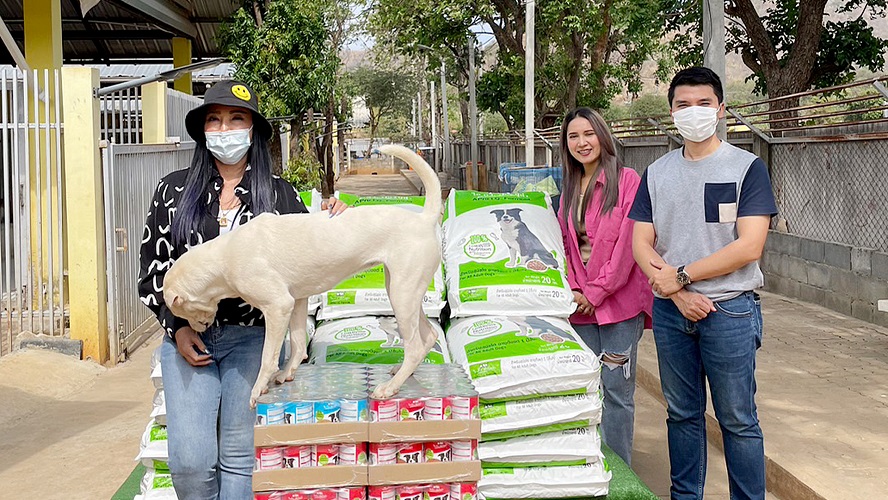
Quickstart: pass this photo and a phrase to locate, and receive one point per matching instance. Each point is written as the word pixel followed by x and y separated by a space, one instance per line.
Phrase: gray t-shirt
pixel 694 206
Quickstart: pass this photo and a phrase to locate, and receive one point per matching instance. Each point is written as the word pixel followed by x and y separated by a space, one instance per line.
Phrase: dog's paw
pixel 385 390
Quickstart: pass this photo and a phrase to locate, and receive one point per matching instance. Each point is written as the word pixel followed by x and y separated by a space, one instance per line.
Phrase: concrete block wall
pixel 846 279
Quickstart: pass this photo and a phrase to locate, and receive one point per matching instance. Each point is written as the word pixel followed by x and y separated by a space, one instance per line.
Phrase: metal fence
pixel 32 257
pixel 121 116
pixel 178 104
pixel 131 175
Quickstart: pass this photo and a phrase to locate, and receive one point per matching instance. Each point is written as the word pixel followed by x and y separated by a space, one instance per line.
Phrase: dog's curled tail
pixel 432 206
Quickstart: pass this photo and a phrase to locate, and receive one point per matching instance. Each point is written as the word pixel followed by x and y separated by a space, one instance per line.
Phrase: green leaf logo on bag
pixel 473 295
pixel 161 482
pixel 492 410
pixel 485 369
pixel 340 298
pixel 158 433
pixel 479 246
pixel 351 333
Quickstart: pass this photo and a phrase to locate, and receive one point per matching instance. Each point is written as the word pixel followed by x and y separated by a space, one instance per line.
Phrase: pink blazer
pixel 611 280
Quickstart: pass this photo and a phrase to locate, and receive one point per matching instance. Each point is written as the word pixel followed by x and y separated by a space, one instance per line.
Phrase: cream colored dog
pixel 275 262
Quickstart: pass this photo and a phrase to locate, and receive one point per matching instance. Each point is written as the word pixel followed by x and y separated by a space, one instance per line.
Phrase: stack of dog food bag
pixel 322 436
pixel 356 322
pixel 538 382
pixel 156 483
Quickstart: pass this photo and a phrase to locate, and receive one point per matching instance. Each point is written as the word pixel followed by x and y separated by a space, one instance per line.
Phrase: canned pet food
pixel 269 458
pixel 324 494
pixel 269 411
pixel 382 492
pixel 326 411
pixel 324 455
pixel 464 491
pixel 437 492
pixel 351 494
pixel 353 454
pixel 383 453
pixel 410 453
pixel 296 495
pixel 409 492
pixel 437 451
pixel 296 457
pixel 464 451
pixel 436 408
pixel 464 405
pixel 299 412
pixel 410 409
pixel 383 410
pixel 353 409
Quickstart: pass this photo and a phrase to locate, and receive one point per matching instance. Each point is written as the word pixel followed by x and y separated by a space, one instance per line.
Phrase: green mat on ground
pixel 624 485
pixel 130 487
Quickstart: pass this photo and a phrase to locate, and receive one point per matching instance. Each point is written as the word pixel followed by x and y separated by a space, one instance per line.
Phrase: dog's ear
pixel 514 211
pixel 498 213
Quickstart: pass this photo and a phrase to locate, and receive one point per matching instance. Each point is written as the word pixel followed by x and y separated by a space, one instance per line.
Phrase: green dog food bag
pixel 504 254
pixel 367 339
pixel 364 293
pixel 522 357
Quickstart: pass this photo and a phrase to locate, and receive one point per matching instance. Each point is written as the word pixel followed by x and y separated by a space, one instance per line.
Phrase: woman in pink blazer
pixel 613 296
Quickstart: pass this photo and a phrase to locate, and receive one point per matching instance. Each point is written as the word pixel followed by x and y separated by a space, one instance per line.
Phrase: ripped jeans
pixel 617 346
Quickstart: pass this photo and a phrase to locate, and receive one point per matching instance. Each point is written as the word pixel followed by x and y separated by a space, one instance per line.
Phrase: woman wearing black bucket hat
pixel 207 377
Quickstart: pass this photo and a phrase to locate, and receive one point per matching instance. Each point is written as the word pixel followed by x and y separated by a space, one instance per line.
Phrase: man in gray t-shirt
pixel 702 214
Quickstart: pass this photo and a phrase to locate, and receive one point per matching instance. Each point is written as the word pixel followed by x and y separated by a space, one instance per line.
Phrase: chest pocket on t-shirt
pixel 720 202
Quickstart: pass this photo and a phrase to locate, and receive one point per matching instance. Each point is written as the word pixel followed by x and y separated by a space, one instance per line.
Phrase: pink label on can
pixel 410 453
pixel 382 492
pixel 383 453
pixel 383 410
pixel 436 409
pixel 464 450
pixel 437 492
pixel 438 451
pixel 351 494
pixel 324 494
pixel 325 454
pixel 297 456
pixel 464 407
pixel 297 495
pixel 410 409
pixel 269 458
pixel 409 492
pixel 463 491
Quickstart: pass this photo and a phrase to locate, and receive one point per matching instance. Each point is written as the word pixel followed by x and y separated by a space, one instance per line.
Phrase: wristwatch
pixel 682 277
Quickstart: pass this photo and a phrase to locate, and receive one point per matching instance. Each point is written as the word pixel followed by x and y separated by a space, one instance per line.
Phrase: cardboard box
pixel 437 472
pixel 302 434
pixel 333 476
pixel 424 430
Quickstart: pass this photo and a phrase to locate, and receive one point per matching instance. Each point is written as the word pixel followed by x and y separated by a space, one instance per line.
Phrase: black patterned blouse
pixel 158 252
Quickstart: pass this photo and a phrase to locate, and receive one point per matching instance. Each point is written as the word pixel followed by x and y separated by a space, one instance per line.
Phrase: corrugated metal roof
pixel 116 28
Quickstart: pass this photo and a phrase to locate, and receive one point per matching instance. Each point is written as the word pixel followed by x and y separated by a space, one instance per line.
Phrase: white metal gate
pixel 132 172
pixel 32 257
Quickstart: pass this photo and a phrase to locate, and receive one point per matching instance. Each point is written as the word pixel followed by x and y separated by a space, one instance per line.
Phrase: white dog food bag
pixel 368 339
pixel 568 447
pixel 154 480
pixel 364 293
pixel 158 412
pixel 521 357
pixel 154 445
pixel 590 480
pixel 507 419
pixel 504 254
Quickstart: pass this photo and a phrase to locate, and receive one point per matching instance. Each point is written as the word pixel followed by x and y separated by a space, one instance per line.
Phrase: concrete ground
pixel 70 429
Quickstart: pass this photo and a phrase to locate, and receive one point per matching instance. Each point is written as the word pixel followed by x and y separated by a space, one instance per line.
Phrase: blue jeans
pixel 617 345
pixel 209 420
pixel 721 349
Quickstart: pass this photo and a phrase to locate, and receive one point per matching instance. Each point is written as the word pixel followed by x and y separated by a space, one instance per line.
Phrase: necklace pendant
pixel 223 221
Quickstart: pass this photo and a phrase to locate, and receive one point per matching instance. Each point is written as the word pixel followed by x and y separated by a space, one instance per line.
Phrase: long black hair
pixel 573 170
pixel 194 203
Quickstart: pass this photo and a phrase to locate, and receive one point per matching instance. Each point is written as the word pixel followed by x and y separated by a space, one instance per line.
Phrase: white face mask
pixel 231 146
pixel 696 123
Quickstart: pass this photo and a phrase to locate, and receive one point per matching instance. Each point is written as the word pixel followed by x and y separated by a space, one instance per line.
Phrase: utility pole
pixel 434 128
pixel 473 117
pixel 419 113
pixel 714 46
pixel 445 120
pixel 529 62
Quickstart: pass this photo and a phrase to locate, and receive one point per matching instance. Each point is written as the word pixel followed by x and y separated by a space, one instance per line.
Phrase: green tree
pixel 793 46
pixel 279 48
pixel 386 93
pixel 585 51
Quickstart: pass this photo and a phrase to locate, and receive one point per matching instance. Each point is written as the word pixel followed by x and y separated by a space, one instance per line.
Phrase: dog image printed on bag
pixel 278 281
pixel 524 247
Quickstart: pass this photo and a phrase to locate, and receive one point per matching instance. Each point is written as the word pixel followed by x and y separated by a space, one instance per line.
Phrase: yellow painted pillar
pixel 154 113
pixel 182 57
pixel 87 268
pixel 43 52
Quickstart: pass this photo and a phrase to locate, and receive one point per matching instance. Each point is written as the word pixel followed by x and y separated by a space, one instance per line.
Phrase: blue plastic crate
pixel 517 178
